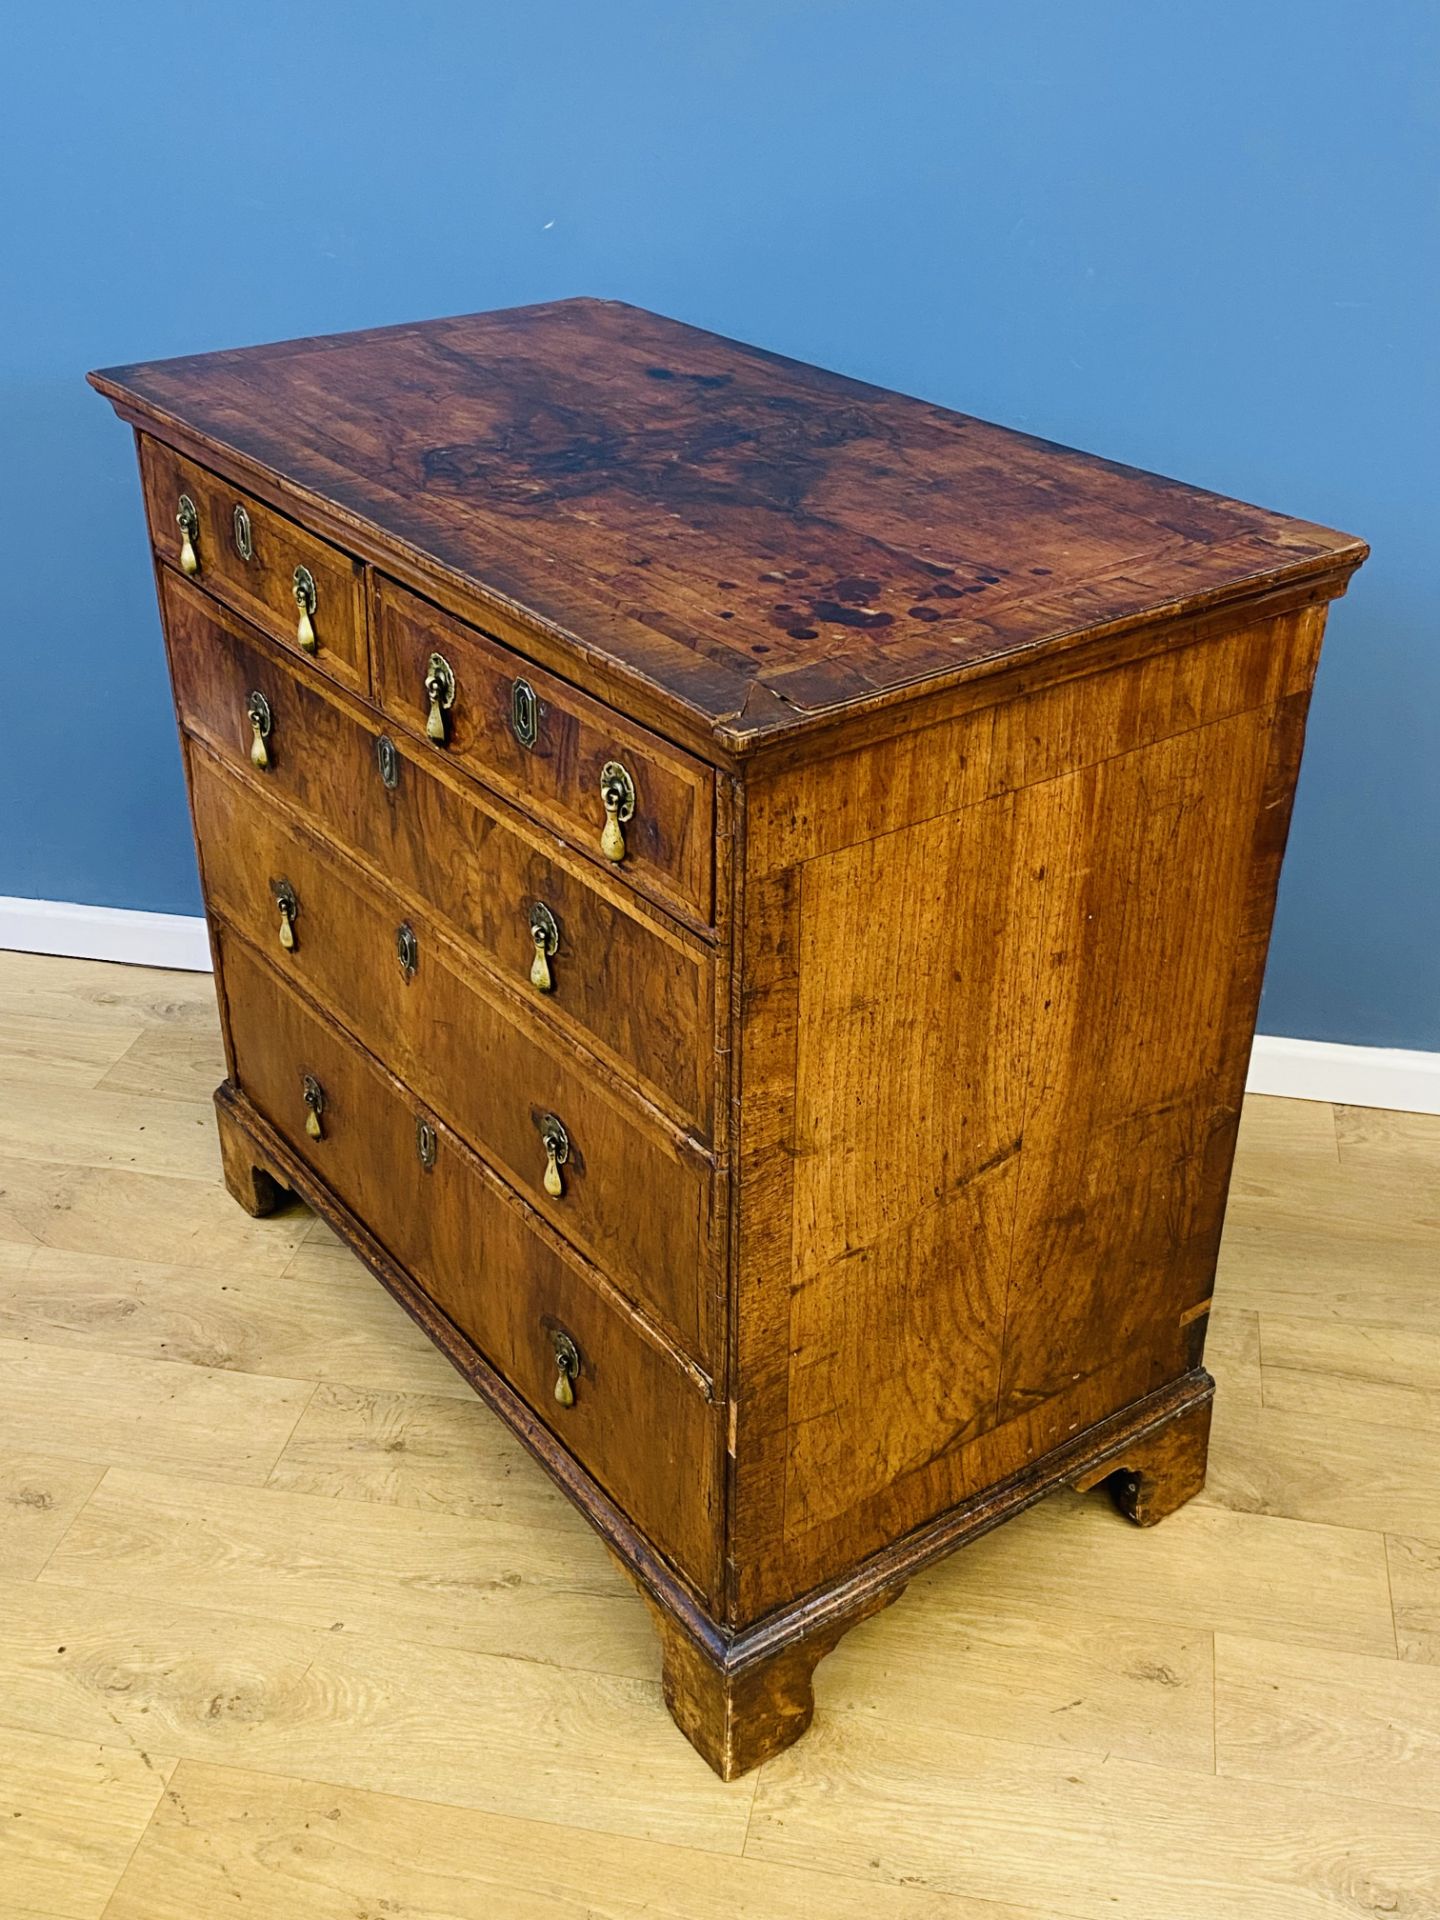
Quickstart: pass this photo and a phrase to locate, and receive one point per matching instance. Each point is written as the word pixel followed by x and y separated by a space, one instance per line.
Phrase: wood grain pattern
pixel 328 1853
pixel 224 1426
pixel 637 1195
pixel 40 1495
pixel 985 1089
pixel 1085 1837
pixel 95 1209
pixel 1322 1585
pixel 753 541
pixel 492 1267
pixel 107 1129
pixel 310 1319
pixel 1083 1681
pixel 902 1086
pixel 507 1735
pixel 1415 1586
pixel 1265 1460
pixel 497 1583
pixel 1339 1723
pixel 165 1066
pixel 438 1451
pixel 1031 1726
pixel 556 777
pixel 262 587
pixel 71 1815
pixel 451 852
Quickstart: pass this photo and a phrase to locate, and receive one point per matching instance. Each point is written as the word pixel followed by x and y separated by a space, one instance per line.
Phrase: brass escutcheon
pixel 305 599
pixel 524 712
pixel 244 533
pixel 556 1142
pixel 314 1106
pixel 440 693
pixel 257 711
pixel 617 793
pixel 545 934
pixel 387 759
pixel 567 1366
pixel 288 907
pixel 188 521
pixel 407 949
pixel 425 1143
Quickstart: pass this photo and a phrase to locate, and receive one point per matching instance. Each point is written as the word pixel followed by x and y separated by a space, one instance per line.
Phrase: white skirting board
pixel 1396 1077
pixel 105 933
pixel 1294 1069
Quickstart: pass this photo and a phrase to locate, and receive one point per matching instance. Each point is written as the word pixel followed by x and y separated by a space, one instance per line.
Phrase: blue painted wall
pixel 1199 239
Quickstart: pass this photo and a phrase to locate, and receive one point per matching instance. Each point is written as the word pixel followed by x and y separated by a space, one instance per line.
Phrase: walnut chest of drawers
pixel 743 898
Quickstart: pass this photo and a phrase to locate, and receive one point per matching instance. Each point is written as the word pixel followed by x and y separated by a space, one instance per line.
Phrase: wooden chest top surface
pixel 759 542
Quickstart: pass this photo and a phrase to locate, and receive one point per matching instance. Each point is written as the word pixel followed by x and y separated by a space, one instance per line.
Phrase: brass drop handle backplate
pixel 244 533
pixel 188 521
pixel 617 795
pixel 545 936
pixel 257 711
pixel 567 1366
pixel 288 907
pixel 440 696
pixel 306 600
pixel 425 1143
pixel 557 1151
pixel 407 949
pixel 314 1107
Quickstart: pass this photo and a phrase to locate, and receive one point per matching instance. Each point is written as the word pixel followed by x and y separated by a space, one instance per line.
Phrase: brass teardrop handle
pixel 617 794
pixel 188 521
pixel 545 934
pixel 314 1106
pixel 288 907
pixel 567 1366
pixel 557 1151
pixel 257 711
pixel 440 694
pixel 305 599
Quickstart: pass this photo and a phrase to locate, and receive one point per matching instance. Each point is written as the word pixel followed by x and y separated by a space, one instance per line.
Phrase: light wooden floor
pixel 289 1628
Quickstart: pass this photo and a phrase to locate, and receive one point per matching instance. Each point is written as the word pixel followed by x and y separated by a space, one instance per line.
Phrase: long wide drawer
pixel 629 1193
pixel 549 748
pixel 636 1420
pixel 305 593
pixel 639 989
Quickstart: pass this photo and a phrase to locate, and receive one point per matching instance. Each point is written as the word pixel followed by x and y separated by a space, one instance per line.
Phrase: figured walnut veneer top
pixel 760 541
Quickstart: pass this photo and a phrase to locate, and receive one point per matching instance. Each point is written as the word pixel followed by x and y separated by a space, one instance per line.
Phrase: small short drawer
pixel 632 1196
pixel 302 591
pixel 628 1409
pixel 619 794
pixel 620 976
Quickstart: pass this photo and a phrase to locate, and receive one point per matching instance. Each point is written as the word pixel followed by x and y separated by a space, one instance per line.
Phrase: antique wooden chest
pixel 743 898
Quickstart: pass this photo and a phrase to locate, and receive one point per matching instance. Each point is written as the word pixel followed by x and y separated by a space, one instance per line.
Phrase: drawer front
pixel 637 1421
pixel 260 562
pixel 638 989
pixel 631 1197
pixel 550 749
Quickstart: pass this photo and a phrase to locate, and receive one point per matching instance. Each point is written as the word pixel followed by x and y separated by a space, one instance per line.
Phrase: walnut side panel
pixel 992 1061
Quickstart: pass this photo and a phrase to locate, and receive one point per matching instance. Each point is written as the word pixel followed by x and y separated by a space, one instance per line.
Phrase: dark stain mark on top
pixel 710 380
pixel 840 615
